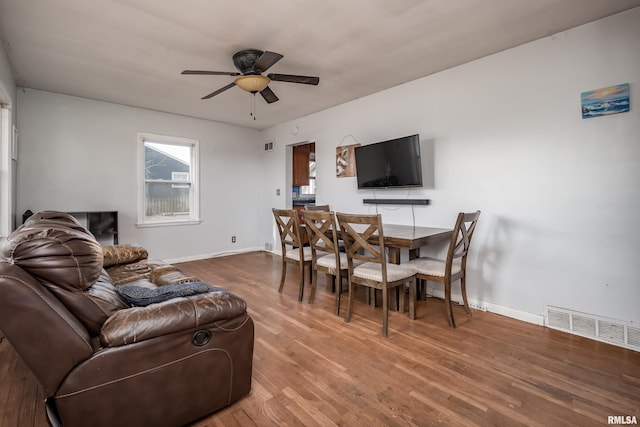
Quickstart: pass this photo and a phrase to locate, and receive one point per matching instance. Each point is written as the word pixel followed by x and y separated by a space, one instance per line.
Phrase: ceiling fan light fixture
pixel 253 83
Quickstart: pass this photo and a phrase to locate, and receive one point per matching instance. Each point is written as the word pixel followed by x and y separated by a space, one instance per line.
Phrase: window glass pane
pixel 162 161
pixel 163 199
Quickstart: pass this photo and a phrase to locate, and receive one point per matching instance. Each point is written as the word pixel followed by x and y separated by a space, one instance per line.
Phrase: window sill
pixel 167 223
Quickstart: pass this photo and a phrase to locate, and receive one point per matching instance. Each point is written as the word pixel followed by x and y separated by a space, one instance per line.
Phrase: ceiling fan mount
pixel 245 59
pixel 251 64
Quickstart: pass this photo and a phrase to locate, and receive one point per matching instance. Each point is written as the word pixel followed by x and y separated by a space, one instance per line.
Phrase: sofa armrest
pixel 123 254
pixel 169 275
pixel 142 323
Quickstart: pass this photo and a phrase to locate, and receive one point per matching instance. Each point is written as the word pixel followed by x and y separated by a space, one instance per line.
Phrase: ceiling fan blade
pixel 266 60
pixel 306 80
pixel 268 95
pixel 219 91
pixel 210 73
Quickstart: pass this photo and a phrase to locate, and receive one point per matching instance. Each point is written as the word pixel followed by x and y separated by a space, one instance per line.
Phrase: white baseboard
pixel 536 319
pixel 213 255
pixel 493 308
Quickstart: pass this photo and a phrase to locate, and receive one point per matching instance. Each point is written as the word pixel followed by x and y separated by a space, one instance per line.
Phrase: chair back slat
pixel 357 233
pixel 321 230
pixel 288 228
pixel 461 237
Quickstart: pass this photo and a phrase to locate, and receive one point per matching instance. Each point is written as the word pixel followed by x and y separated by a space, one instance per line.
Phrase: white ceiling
pixel 131 52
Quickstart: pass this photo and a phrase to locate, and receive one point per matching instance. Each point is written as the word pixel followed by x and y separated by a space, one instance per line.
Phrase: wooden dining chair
pixel 454 266
pixel 325 251
pixel 291 236
pixel 364 241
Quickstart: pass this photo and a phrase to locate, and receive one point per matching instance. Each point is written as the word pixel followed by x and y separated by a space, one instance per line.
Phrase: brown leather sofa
pixel 101 361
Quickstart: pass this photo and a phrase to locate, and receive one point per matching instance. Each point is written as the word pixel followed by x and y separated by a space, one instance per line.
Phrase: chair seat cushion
pixel 373 271
pixel 141 296
pixel 433 267
pixel 295 254
pixel 329 261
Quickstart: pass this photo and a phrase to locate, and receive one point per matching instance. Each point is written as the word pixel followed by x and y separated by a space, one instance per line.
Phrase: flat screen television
pixel 389 164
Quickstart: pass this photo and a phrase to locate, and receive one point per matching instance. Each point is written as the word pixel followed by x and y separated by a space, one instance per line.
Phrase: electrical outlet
pixel 277 191
pixel 233 239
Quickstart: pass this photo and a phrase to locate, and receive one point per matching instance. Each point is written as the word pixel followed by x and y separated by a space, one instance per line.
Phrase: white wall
pixel 77 154
pixel 559 195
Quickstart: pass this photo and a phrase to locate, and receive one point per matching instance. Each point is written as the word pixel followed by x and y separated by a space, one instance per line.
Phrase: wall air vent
pixel 611 331
pixel 558 319
pixel 584 325
pixel 633 336
pixel 616 332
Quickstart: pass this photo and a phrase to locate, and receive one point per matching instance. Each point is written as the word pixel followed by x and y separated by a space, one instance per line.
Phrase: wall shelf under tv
pixel 397 201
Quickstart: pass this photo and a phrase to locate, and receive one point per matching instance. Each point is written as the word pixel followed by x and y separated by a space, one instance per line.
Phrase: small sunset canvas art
pixel 605 101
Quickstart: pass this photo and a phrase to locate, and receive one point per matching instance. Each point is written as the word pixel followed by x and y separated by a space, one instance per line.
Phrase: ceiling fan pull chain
pixel 253 105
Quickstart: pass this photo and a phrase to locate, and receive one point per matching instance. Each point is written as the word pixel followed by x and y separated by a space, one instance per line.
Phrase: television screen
pixel 388 164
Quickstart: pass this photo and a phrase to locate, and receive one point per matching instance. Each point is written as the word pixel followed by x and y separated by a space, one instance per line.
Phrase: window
pixel 168 190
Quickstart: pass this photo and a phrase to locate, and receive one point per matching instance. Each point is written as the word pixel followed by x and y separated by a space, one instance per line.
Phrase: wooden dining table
pixel 398 237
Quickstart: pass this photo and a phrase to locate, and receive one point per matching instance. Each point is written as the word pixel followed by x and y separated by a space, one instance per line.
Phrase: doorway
pixel 303 174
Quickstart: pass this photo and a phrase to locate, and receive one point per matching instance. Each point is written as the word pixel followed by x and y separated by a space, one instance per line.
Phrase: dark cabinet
pixel 301 154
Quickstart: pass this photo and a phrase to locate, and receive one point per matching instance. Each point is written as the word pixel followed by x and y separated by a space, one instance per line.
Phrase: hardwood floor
pixel 312 369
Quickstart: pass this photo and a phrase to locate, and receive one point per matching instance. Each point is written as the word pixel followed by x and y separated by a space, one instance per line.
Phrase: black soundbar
pixel 397 201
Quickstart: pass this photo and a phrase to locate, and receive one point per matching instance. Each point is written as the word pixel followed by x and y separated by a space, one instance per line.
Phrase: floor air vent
pixel 612 331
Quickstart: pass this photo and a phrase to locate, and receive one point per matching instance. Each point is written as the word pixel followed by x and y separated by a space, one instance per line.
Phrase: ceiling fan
pixel 251 63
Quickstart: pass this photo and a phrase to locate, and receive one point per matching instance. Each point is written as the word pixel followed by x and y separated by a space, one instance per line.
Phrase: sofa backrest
pixel 58 252
pixel 48 338
pixel 55 294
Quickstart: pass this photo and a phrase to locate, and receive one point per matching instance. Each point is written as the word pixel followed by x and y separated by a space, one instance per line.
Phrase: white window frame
pixel 6 184
pixel 194 194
